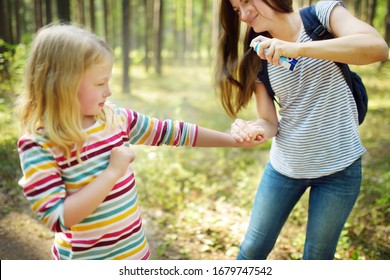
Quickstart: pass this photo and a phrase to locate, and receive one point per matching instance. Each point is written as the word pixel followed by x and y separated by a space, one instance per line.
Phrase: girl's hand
pixel 247 131
pixel 120 159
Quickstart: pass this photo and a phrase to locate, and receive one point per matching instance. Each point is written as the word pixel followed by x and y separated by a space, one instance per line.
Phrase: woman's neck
pixel 287 27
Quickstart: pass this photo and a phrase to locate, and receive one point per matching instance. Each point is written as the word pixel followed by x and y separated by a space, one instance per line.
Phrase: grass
pixel 196 202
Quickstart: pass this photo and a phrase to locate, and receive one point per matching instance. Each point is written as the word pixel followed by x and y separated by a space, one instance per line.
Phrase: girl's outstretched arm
pixel 151 131
pixel 212 138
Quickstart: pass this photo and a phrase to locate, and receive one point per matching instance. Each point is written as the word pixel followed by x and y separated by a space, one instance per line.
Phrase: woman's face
pixel 255 13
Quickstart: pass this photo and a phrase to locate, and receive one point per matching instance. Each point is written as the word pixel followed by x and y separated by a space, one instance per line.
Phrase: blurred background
pixel 195 202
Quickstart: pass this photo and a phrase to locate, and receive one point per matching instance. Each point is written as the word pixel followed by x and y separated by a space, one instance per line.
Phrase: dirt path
pixel 24 238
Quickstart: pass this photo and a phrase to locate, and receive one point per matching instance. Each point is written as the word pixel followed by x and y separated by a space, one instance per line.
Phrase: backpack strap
pixel 317 31
pixel 313 25
pixel 264 78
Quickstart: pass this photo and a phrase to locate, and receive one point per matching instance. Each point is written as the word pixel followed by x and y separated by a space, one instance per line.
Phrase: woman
pixel 316 140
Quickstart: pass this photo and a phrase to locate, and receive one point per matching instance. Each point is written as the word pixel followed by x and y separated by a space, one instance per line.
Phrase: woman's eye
pixel 245 3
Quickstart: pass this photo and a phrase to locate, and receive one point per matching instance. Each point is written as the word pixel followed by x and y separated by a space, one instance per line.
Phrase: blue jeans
pixel 331 201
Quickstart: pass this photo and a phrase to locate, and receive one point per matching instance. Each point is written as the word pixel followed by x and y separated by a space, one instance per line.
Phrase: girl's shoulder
pixel 116 116
pixel 38 138
pixel 117 111
pixel 34 145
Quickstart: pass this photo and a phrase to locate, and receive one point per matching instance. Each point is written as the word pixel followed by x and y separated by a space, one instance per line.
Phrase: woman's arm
pixel 356 42
pixel 212 138
pixel 266 123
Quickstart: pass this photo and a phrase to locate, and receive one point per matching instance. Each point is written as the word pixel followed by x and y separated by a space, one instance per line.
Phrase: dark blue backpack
pixel 317 31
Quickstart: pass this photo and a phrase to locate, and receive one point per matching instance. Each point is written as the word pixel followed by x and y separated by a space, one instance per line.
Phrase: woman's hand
pixel 247 131
pixel 273 49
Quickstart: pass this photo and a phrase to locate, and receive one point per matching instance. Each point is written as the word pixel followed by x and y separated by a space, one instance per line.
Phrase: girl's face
pixel 254 13
pixel 94 90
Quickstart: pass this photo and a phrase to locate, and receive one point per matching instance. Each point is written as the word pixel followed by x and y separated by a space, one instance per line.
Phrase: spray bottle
pixel 288 63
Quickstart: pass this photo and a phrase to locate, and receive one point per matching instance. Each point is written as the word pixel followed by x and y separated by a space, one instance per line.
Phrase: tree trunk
pixel 214 28
pixel 387 24
pixel 63 10
pixel 92 15
pixel 158 30
pixel 358 8
pixel 189 26
pixel 48 11
pixel 18 22
pixel 81 12
pixel 175 32
pixel 148 32
pixel 202 24
pixel 126 45
pixel 38 14
pixel 106 14
pixel 6 35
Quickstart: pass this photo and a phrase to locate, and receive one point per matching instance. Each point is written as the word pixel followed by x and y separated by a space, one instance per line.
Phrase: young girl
pixel 317 142
pixel 75 153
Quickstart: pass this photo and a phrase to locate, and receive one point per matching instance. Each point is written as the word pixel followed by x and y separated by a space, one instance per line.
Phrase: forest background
pixel 195 202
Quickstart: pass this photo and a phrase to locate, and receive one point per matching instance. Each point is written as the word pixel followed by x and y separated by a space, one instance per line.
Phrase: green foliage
pixel 380 14
pixel 9 166
pixel 9 172
pixel 12 62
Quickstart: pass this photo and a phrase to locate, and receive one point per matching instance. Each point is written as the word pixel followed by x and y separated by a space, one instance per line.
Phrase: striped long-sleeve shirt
pixel 114 230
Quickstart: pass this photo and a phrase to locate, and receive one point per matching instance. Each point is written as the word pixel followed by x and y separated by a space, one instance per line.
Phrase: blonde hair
pixel 49 106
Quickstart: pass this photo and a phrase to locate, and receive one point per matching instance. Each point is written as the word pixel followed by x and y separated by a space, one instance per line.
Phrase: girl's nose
pixel 107 92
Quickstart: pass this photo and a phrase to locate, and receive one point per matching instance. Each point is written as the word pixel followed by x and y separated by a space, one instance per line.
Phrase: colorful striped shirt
pixel 114 230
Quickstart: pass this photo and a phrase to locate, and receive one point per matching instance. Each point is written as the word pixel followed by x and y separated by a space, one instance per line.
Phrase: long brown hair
pixel 236 69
